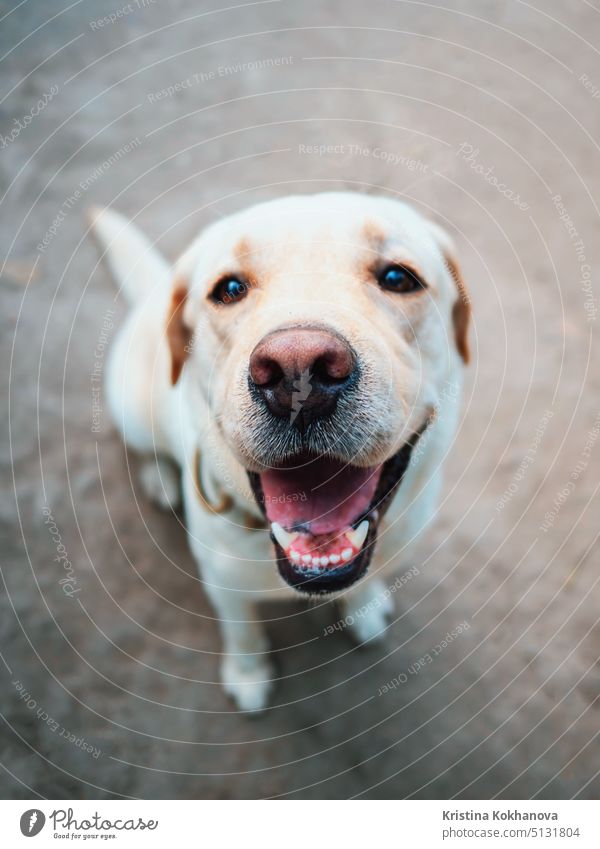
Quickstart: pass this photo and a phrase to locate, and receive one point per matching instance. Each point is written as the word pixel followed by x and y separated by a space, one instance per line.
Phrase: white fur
pixel 236 564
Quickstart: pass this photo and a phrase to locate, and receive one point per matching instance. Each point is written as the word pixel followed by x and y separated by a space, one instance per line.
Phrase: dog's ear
pixel 179 334
pixel 461 311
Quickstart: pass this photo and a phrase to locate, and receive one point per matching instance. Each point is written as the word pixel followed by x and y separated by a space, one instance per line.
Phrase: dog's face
pixel 320 331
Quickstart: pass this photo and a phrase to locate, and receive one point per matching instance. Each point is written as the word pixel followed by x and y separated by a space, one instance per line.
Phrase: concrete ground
pixel 177 113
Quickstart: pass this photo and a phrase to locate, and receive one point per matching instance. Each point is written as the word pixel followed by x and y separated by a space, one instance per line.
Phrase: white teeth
pixel 355 537
pixel 358 536
pixel 284 538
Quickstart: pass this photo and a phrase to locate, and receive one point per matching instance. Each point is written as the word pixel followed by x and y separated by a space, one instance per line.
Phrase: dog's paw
pixel 250 686
pixel 369 628
pixel 367 613
pixel 160 482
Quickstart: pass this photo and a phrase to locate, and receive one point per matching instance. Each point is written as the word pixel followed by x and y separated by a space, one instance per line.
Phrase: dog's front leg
pixel 246 671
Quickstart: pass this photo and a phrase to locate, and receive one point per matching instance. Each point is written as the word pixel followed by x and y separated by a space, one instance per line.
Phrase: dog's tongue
pixel 321 495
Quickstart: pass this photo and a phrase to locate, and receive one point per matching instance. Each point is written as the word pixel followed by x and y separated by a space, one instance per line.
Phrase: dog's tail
pixel 134 262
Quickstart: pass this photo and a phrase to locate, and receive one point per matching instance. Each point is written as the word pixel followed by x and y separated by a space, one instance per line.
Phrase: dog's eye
pixel 396 278
pixel 228 290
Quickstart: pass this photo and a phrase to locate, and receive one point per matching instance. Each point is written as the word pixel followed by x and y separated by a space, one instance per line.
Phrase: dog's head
pixel 320 331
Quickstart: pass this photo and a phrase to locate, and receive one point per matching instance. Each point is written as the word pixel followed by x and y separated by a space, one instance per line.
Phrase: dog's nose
pixel 300 372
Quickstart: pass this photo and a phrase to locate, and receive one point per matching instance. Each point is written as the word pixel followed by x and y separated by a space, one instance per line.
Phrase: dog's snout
pixel 300 372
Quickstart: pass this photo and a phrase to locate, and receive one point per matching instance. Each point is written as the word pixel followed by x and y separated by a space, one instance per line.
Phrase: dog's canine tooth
pixel 358 536
pixel 284 538
pixel 347 554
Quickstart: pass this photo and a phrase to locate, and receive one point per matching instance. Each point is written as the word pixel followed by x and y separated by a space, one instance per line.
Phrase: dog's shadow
pixel 320 666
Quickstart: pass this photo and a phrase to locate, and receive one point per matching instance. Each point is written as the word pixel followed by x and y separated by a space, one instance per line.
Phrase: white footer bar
pixel 301 824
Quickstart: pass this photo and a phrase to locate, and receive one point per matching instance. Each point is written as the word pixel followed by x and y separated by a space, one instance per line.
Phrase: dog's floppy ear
pixel 179 335
pixel 461 311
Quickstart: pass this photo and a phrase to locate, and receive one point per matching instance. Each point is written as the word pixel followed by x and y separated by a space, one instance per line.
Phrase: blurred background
pixel 486 116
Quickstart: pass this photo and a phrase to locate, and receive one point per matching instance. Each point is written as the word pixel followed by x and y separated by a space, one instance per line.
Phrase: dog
pixel 301 364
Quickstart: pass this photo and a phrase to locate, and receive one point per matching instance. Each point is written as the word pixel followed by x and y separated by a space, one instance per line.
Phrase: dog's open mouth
pixel 324 515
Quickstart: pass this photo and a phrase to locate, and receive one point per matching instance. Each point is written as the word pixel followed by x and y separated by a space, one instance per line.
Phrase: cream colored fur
pixel 309 257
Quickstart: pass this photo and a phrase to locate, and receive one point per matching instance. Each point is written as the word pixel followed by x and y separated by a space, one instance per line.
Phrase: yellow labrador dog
pixel 301 364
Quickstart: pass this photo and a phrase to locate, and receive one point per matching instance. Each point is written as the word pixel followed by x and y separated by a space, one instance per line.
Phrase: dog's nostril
pixel 265 372
pixel 329 370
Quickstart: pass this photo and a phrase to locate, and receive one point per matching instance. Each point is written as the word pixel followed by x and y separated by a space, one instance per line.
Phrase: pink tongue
pixel 322 493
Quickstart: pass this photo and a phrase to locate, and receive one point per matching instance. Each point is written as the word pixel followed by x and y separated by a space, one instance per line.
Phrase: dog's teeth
pixel 316 561
pixel 334 558
pixel 324 561
pixel 295 555
pixel 282 536
pixel 358 536
pixel 347 554
pixel 306 558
